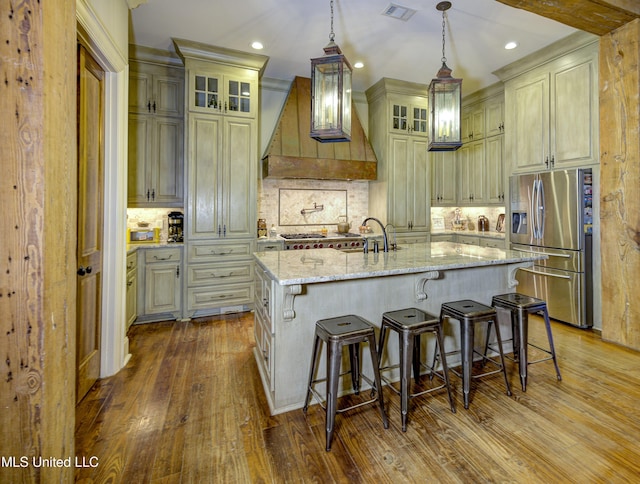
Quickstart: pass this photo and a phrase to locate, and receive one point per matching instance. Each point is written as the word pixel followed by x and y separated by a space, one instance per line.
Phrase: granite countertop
pixel 132 247
pixel 324 265
pixel 493 234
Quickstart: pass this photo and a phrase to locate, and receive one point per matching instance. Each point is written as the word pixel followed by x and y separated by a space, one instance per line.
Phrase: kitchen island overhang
pixel 294 290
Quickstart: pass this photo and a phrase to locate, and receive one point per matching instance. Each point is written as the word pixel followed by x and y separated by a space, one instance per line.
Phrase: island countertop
pixel 325 265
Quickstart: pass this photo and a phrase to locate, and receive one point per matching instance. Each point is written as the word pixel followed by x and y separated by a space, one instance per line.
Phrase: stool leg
pixel 354 358
pixel 547 324
pixel 466 355
pixel 382 341
pixel 504 368
pixel 416 358
pixel 312 370
pixel 376 377
pixel 486 342
pixel 334 355
pixel 523 345
pixel 439 348
pixel 406 355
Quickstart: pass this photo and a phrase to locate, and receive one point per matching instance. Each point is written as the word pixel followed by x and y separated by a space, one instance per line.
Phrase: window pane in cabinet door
pixel 245 105
pixel 213 85
pixel 200 83
pixel 201 99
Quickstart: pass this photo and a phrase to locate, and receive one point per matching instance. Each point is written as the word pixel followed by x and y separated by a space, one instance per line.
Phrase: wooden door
pixel 90 201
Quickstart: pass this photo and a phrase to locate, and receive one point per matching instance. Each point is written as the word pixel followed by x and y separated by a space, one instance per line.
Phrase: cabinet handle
pixel 177 272
pixel 163 258
pixel 219 230
pixel 148 194
pixel 213 274
pixel 553 160
pixel 224 252
pixel 546 162
pixel 149 106
pixel 153 194
pixel 265 303
pixel 224 230
pixel 154 106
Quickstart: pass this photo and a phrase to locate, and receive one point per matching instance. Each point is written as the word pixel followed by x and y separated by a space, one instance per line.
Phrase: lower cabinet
pixel 219 276
pixel 478 240
pixel 132 289
pixel 160 284
pixel 263 328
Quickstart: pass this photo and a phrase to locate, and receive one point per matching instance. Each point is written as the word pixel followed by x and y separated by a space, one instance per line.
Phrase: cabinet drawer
pixel 495 243
pixel 468 239
pixel 219 296
pixel 162 255
pixel 132 260
pixel 219 273
pixel 217 251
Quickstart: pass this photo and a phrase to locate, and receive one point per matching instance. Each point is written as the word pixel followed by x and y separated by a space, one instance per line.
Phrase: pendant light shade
pixel 445 103
pixel 331 94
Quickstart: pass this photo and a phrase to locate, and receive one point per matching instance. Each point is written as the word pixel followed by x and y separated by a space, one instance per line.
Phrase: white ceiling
pixel 294 31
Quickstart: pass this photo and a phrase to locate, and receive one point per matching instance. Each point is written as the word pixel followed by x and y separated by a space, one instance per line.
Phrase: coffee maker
pixel 176 224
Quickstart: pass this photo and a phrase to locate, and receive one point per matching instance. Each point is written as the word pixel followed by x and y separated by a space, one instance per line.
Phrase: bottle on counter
pixel 272 231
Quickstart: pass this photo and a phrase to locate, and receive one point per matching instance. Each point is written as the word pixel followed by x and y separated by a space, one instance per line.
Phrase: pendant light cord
pixel 332 35
pixel 444 59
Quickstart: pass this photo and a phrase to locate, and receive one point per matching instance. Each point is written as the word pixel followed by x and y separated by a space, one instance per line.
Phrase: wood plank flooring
pixel 189 407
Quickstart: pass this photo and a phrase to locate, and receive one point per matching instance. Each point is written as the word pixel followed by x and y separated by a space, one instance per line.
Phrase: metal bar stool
pixel 520 306
pixel 410 324
pixel 468 313
pixel 336 333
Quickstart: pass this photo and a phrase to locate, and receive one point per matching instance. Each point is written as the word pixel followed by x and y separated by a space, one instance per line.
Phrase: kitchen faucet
pixel 384 232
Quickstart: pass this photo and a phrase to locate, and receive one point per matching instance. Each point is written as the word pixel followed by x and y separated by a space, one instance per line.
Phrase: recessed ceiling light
pixel 510 45
pixel 257 45
pixel 358 65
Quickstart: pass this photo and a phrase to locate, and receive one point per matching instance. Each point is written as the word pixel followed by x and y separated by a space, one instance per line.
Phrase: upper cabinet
pixel 398 133
pixel 408 115
pixel 551 101
pixel 156 129
pixel 443 177
pixel 156 89
pixel 235 93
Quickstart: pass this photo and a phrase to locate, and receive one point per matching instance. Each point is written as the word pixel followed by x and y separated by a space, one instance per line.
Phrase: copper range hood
pixel 293 154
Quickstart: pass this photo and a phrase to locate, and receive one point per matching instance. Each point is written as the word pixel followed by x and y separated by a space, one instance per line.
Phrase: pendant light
pixel 331 94
pixel 445 100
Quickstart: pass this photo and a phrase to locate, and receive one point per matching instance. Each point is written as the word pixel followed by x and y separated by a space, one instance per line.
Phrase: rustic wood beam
pixel 598 17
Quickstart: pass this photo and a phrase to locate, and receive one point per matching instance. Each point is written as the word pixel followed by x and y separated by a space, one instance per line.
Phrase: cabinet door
pixel 166 177
pixel 140 144
pixel 239 171
pixel 409 117
pixel 408 184
pixel 228 95
pixel 131 298
pixel 574 114
pixel 494 114
pixel 162 288
pixel 494 169
pixel 155 161
pixel 527 105
pixel 472 122
pixel 204 197
pixel 156 90
pixel 443 177
pixel 472 176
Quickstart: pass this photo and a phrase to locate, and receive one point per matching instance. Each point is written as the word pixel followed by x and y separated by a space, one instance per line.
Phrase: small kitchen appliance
pixel 176 224
pixel 483 224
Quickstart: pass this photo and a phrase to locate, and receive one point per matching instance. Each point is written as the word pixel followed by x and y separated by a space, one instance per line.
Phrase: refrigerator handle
pixel 534 195
pixel 541 205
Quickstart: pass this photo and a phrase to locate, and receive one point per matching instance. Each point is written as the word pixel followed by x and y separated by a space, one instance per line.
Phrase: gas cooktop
pixel 317 236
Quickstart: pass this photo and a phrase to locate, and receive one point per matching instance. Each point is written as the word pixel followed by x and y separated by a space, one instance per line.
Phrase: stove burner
pixel 302 236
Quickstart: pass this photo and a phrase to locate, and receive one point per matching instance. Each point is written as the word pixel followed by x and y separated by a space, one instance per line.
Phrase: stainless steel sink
pixel 350 250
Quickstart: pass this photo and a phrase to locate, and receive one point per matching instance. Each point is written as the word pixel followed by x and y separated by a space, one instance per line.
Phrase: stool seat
pixel 410 324
pixel 350 331
pixel 520 306
pixel 469 312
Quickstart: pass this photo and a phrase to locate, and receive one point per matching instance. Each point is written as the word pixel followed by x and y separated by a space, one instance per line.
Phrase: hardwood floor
pixel 189 407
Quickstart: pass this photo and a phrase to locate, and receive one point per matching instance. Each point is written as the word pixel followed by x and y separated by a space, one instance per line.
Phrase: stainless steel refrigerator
pixel 551 214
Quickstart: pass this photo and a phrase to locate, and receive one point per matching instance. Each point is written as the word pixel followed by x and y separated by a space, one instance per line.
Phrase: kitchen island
pixel 294 289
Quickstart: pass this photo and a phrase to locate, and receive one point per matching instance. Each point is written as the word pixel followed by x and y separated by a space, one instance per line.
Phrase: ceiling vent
pixel 398 12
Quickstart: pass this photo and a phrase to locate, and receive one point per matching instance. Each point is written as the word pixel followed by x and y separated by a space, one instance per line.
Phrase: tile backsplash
pixel 281 201
pixel 468 214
